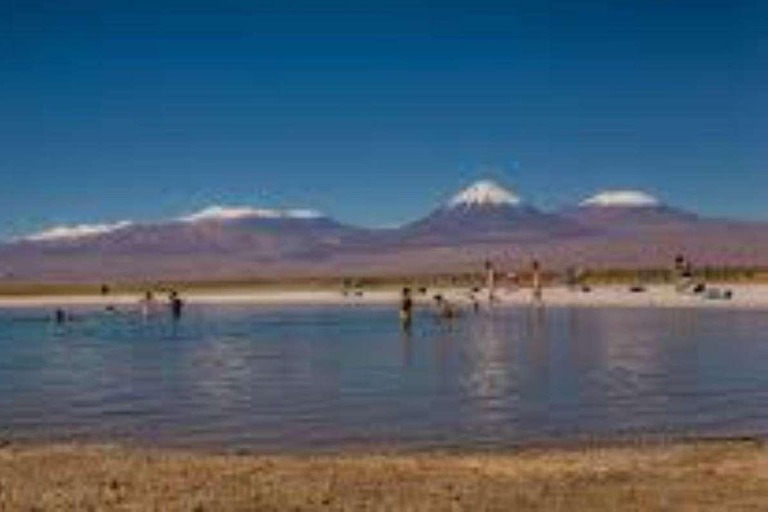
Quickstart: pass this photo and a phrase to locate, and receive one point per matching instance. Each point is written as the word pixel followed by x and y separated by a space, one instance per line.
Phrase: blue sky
pixel 375 111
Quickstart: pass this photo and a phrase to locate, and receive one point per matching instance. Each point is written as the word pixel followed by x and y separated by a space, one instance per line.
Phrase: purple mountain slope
pixel 613 229
pixel 206 245
pixel 486 212
pixel 618 211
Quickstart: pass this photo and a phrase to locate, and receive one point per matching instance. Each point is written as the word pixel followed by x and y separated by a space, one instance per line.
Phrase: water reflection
pixel 406 340
pixel 320 377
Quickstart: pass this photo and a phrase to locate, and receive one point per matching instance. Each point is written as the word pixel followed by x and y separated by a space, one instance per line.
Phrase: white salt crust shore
pixel 745 296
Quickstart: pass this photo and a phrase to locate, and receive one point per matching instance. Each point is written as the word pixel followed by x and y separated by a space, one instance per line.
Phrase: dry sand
pixel 705 476
pixel 746 296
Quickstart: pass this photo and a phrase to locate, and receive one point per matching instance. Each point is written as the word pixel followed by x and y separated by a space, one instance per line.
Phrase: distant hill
pixel 485 220
pixel 617 211
pixel 486 212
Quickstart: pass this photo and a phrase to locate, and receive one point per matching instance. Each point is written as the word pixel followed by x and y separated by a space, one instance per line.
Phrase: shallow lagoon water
pixel 328 377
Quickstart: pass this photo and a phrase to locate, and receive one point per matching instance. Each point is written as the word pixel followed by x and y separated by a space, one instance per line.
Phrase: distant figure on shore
pixel 677 272
pixel 571 279
pixel 688 270
pixel 686 283
pixel 683 278
pixel 581 280
pixel 490 280
pixel 513 282
pixel 575 279
pixel 105 290
pixel 177 305
pixel 536 284
pixel 406 308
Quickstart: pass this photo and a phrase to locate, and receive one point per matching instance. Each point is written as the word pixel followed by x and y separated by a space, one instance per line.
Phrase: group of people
pixel 686 283
pixel 537 282
pixel 149 306
pixel 444 309
pixel 447 310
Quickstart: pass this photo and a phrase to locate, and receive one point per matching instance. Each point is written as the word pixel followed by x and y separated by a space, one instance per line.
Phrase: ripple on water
pixel 309 377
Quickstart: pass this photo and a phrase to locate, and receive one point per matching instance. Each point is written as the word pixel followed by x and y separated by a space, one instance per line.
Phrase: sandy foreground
pixel 746 296
pixel 703 476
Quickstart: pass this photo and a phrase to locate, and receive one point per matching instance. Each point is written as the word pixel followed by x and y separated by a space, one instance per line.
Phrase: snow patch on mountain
pixel 303 214
pixel 220 213
pixel 622 198
pixel 484 192
pixel 77 231
pixel 230 213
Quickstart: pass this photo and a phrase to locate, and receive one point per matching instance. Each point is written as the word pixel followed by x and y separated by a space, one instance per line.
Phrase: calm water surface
pixel 325 377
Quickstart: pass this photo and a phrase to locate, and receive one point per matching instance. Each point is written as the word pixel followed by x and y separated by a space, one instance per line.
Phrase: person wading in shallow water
pixel 60 316
pixel 445 311
pixel 177 305
pixel 490 281
pixel 406 308
pixel 536 284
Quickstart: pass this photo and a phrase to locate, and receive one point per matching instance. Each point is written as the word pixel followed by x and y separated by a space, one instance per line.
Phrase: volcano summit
pixel 612 228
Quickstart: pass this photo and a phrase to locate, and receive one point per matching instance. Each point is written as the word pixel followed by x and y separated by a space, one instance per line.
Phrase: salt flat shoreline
pixel 701 476
pixel 745 296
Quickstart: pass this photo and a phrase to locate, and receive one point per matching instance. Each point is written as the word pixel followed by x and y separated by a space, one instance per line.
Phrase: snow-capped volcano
pixel 628 210
pixel 622 199
pixel 485 193
pixel 615 227
pixel 484 211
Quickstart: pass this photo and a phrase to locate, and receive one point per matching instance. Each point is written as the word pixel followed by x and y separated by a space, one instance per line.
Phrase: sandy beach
pixel 702 476
pixel 745 296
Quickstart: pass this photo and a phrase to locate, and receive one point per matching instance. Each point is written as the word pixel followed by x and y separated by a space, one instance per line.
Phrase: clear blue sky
pixel 373 112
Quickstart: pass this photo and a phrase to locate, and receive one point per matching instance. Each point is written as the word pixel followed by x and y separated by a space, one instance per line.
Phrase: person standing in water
pixel 445 310
pixel 177 305
pixel 60 316
pixel 536 284
pixel 490 281
pixel 406 308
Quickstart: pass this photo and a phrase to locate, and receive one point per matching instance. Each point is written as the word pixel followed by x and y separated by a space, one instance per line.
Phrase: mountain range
pixel 484 221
